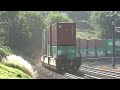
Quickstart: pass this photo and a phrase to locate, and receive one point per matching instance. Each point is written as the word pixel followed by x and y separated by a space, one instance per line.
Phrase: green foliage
pixel 80 17
pixel 4 51
pixel 84 24
pixel 22 30
pixel 2 40
pixel 54 17
pixel 104 22
pixel 88 34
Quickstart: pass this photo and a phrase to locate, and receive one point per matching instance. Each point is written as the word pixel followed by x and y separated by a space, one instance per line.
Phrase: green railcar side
pixel 69 51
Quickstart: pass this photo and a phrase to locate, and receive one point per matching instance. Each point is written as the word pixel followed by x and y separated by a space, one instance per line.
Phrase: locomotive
pixel 59 50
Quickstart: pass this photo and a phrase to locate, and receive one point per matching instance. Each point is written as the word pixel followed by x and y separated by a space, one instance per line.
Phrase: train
pixel 96 48
pixel 59 49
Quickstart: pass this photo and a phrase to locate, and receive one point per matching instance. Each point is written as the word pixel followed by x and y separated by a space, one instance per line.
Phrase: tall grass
pixel 18 62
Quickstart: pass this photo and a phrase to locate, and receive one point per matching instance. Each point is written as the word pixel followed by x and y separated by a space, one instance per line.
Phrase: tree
pixel 81 18
pixel 100 19
pixel 23 30
pixel 54 17
pixel 7 23
pixel 79 15
pixel 29 31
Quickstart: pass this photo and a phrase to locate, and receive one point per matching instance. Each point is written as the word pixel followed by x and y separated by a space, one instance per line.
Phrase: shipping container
pixel 100 48
pixel 105 45
pixel 49 46
pixel 43 42
pixel 44 38
pixel 48 41
pixel 110 47
pixel 91 48
pixel 117 47
pixel 54 34
pixel 54 51
pixel 71 52
pixel 83 47
pixel 77 47
pixel 64 34
pixel 68 51
pixel 77 43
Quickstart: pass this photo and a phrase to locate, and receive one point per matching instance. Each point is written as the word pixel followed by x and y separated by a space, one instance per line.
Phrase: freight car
pixel 59 47
pixel 98 48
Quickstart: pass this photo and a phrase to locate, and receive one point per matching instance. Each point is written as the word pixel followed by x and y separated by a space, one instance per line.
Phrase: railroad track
pixel 73 76
pixel 79 75
pixel 76 75
pixel 104 74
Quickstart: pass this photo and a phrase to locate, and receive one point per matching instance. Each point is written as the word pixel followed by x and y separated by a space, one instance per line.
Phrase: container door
pixel 66 34
pixel 71 52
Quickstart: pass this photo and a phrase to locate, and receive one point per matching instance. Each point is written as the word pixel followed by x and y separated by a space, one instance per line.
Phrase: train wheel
pixel 75 66
pixel 67 67
pixel 76 69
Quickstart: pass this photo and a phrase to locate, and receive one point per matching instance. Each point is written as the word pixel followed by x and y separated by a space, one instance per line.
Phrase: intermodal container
pixel 64 34
pixel 117 47
pixel 77 47
pixel 91 48
pixel 100 48
pixel 110 47
pixel 83 47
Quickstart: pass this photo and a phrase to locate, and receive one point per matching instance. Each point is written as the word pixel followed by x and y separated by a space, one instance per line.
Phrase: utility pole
pixel 113 36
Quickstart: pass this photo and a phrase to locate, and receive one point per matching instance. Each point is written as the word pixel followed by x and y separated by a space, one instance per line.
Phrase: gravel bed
pixel 44 73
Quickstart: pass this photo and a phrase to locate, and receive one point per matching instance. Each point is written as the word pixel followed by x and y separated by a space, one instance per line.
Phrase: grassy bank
pixel 7 72
pixel 15 67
